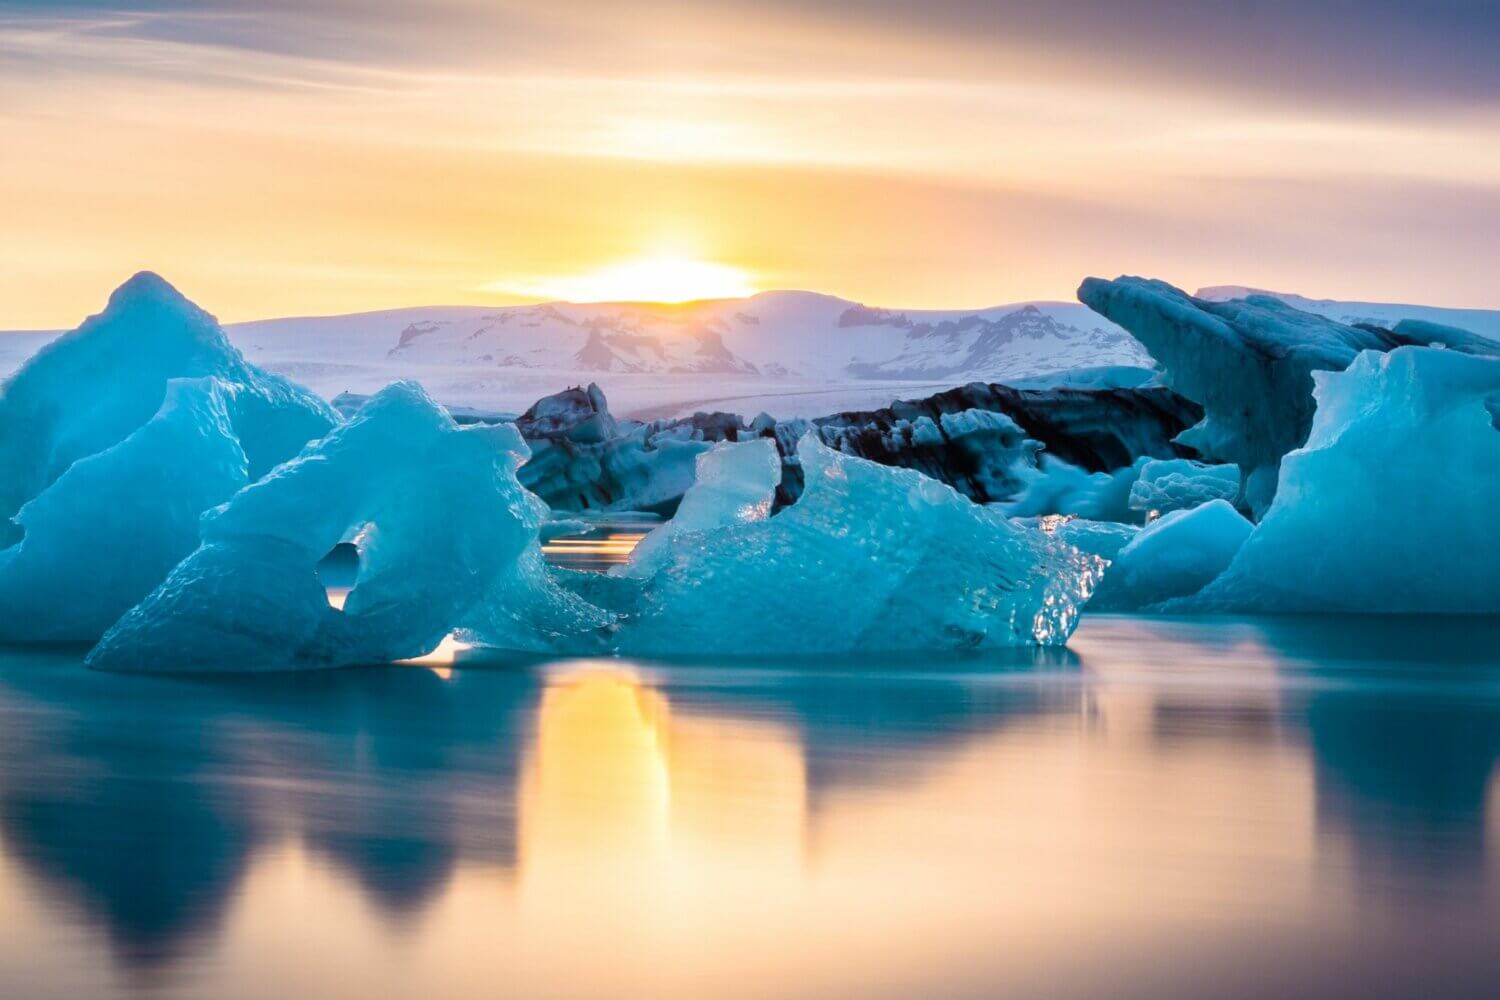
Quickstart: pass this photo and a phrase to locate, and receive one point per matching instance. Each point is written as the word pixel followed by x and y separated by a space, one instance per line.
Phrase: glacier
pixel 1250 363
pixel 113 439
pixel 447 540
pixel 870 558
pixel 1390 506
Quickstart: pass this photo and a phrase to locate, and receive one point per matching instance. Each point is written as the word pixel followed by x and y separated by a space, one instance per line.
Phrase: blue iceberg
pixel 113 439
pixel 1391 506
pixel 870 558
pixel 447 540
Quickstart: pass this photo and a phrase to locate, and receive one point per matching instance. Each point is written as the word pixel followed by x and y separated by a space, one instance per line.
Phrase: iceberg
pixel 980 439
pixel 735 483
pixel 1176 554
pixel 1056 487
pixel 1180 484
pixel 90 389
pixel 1391 504
pixel 1250 363
pixel 870 558
pixel 113 525
pixel 113 440
pixel 447 540
pixel 1104 539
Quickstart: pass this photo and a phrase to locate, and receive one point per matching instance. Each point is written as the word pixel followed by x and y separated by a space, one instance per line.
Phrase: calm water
pixel 1169 809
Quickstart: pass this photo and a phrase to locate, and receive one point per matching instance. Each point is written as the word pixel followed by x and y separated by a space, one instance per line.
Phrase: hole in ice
pixel 338 571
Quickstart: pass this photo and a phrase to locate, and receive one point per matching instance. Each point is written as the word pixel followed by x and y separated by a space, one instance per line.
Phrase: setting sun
pixel 646 279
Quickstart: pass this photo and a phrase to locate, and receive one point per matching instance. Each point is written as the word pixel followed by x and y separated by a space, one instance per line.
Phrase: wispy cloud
pixel 949 152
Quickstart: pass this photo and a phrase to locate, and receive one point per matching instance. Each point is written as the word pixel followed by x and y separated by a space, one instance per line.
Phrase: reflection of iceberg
pixel 1405 764
pixel 153 803
pixel 150 821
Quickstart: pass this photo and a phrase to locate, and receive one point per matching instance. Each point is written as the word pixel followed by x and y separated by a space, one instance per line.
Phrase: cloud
pixel 1371 54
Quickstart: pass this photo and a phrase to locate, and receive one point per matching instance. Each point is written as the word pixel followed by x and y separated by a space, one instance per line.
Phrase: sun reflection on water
pixel 1178 796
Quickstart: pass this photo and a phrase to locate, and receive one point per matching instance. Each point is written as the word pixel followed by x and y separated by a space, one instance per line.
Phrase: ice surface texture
pixel 446 535
pixel 1180 484
pixel 1250 363
pixel 870 558
pixel 1175 554
pixel 1392 504
pixel 735 484
pixel 1057 487
pixel 113 439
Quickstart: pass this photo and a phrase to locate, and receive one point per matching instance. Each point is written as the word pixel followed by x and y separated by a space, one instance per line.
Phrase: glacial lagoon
pixel 1300 807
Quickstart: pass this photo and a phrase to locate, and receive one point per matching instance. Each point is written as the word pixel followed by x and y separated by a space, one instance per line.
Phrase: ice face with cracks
pixel 870 558
pixel 442 526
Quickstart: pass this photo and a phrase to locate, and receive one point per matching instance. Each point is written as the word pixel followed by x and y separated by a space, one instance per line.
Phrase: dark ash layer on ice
pixel 982 439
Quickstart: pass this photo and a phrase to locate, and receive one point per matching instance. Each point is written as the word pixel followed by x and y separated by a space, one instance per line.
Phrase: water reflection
pixel 1296 808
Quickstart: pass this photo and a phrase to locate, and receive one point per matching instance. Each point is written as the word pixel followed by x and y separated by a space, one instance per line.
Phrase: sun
pixel 662 278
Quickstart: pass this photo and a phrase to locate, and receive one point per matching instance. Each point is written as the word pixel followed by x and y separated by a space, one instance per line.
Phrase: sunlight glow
pixel 440 660
pixel 662 278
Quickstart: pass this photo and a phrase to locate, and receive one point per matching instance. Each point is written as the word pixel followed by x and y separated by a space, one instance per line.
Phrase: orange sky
pixel 273 158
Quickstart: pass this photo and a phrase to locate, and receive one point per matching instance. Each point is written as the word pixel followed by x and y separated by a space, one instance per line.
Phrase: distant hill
pixel 782 350
pixel 790 353
pixel 773 334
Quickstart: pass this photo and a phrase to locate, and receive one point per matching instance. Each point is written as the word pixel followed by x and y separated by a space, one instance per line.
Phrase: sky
pixel 293 157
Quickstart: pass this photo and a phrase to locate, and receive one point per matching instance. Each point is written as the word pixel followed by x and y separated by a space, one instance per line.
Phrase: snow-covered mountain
pixel 773 334
pixel 785 351
pixel 788 353
pixel 1485 322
